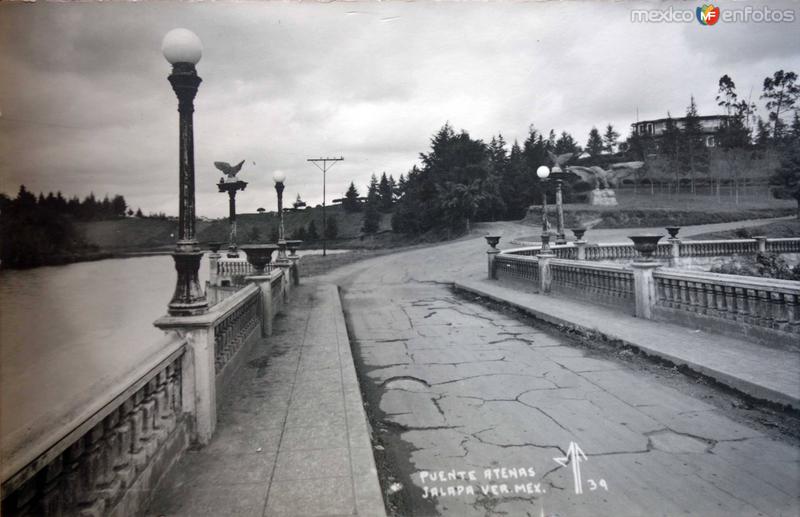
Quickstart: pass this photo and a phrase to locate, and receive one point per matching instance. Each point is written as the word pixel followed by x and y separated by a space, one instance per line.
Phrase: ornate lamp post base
pixel 189 298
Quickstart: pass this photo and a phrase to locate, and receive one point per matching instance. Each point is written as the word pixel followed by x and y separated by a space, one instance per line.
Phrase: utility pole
pixel 324 168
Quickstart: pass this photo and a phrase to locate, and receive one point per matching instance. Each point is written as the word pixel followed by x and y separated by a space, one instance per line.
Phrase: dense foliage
pixel 463 179
pixel 39 231
pixel 763 265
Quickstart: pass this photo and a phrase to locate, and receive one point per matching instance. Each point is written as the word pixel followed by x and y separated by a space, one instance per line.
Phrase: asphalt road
pixel 475 410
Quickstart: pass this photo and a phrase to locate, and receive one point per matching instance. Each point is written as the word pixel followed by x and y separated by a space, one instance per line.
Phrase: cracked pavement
pixel 456 386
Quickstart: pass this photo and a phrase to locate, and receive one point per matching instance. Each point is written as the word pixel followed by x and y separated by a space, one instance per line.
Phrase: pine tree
pixel 331 229
pixel 385 194
pixel 254 234
pixel 594 145
pixel 787 176
pixel 761 136
pixel 351 203
pixel 372 215
pixel 566 144
pixel 796 128
pixel 670 148
pixel 781 92
pixel 610 139
pixel 299 234
pixel 312 234
pixel 693 145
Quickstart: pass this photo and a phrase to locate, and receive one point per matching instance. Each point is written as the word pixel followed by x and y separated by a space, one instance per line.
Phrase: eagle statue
pixel 229 170
pixel 601 178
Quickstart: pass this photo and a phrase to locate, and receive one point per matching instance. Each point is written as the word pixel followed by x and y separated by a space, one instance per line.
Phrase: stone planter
pixel 492 240
pixel 646 245
pixel 578 232
pixel 673 231
pixel 259 255
pixel 292 246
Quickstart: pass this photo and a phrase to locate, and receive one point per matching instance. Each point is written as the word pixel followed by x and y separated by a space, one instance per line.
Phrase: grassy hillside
pixel 128 235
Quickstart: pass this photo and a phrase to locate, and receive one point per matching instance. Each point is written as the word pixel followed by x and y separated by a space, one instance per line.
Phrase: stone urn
pixel 292 246
pixel 214 246
pixel 646 245
pixel 492 240
pixel 578 233
pixel 259 255
pixel 673 231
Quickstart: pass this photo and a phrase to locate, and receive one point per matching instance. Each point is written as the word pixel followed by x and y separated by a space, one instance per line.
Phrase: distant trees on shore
pixel 40 230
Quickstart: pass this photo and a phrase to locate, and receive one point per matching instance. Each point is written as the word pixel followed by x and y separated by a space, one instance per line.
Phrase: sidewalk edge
pixel 738 384
pixel 368 494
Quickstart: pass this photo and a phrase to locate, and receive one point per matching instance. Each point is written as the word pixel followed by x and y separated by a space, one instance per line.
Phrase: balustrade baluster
pixel 702 298
pixel 25 499
pixel 719 299
pixel 765 310
pixel 777 312
pixel 691 287
pixel 88 470
pixel 52 493
pixel 669 292
pixel 683 299
pixel 792 313
pixel 730 302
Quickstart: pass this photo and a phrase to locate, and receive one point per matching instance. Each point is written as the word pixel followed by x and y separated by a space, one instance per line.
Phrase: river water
pixel 68 333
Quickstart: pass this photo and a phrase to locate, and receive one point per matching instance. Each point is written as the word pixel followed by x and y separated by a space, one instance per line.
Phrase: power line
pixel 324 168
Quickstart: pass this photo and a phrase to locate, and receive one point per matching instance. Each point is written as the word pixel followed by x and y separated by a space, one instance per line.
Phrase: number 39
pixel 600 483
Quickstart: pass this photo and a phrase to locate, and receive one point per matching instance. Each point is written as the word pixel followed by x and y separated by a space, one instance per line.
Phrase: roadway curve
pixel 459 387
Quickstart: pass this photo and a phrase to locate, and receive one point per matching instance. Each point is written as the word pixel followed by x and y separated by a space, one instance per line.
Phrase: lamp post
pixel 231 185
pixel 183 49
pixel 561 238
pixel 279 177
pixel 543 172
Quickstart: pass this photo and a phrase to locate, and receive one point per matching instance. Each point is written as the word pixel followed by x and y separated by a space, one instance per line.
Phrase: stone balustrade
pixel 233 329
pixel 759 309
pixel 666 249
pixel 606 284
pixel 236 268
pixel 718 248
pixel 517 267
pixel 108 458
pixel 785 245
pixel 112 453
pixel 762 309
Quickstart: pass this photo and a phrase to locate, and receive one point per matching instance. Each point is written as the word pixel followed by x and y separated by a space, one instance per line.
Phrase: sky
pixel 85 105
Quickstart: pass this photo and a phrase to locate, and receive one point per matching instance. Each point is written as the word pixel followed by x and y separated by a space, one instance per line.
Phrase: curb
pixel 737 384
pixel 368 494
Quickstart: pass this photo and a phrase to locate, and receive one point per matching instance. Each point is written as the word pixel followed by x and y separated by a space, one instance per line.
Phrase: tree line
pixel 35 231
pixel 462 179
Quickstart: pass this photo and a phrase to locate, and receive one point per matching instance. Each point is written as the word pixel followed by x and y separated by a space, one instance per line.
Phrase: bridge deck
pixel 292 436
pixel 761 372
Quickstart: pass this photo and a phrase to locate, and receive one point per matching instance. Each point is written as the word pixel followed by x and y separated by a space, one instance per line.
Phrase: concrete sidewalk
pixel 758 371
pixel 292 437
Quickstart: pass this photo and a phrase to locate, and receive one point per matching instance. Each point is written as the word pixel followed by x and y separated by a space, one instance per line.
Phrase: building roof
pixel 700 117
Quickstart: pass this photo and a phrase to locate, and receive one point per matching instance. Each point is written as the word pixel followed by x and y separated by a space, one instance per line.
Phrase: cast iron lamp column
pixel 182 48
pixel 543 172
pixel 279 177
pixel 231 187
pixel 561 238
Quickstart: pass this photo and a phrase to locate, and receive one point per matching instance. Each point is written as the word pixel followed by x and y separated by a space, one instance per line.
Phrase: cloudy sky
pixel 86 105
